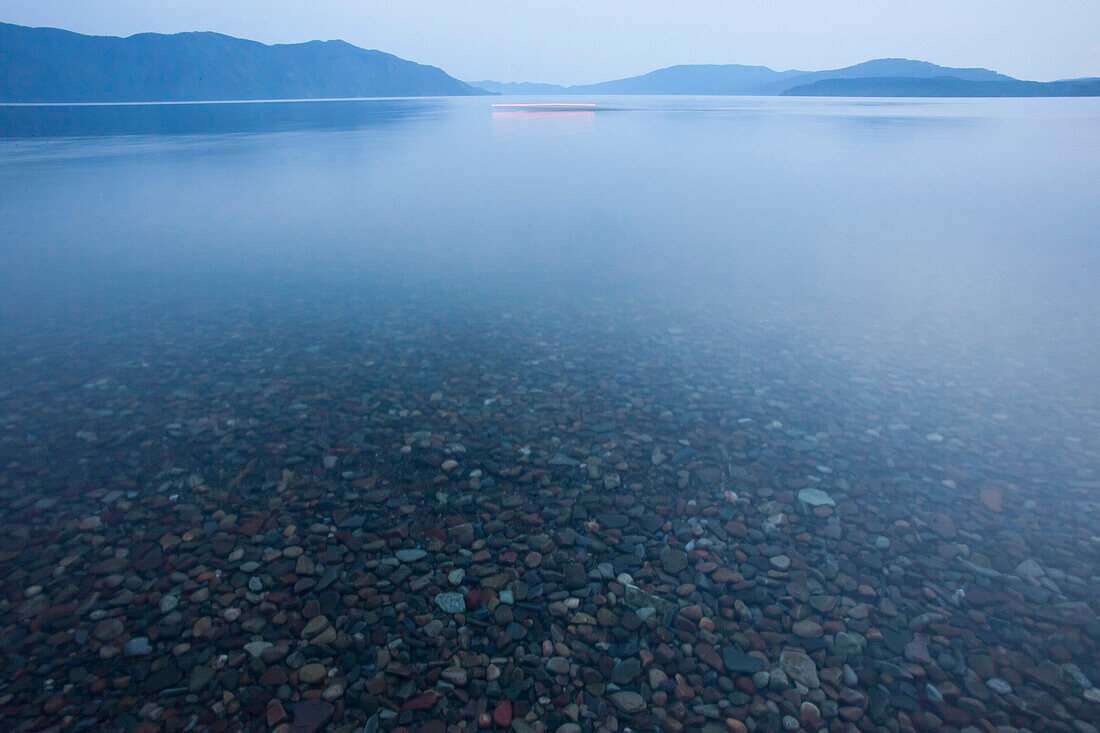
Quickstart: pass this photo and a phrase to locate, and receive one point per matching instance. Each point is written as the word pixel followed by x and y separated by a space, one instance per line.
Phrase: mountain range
pixel 945 86
pixel 880 77
pixel 52 65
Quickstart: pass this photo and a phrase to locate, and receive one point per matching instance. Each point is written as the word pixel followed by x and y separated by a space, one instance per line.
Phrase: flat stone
pixel 992 499
pixel 849 643
pixel 455 675
pixel 673 560
pixel 738 662
pixel 275 713
pixel 916 651
pixel 163 678
pixel 807 629
pixel 575 576
pixel 502 715
pixel 316 625
pixel 311 674
pixel 422 702
pixel 139 646
pixel 274 676
pixel 256 648
pixel 311 715
pixel 109 628
pixel 200 678
pixel 451 602
pixel 558 665
pixel 628 702
pixel 626 671
pixel 815 497
pixel 799 667
pixel 1030 569
pixel 410 555
pixel 709 656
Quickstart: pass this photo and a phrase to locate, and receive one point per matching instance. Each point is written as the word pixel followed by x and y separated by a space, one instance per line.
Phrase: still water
pixel 784 412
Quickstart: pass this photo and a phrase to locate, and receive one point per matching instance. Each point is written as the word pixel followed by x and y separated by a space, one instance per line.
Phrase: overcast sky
pixel 577 41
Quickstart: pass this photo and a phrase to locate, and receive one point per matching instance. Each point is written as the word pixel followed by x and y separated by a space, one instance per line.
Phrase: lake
pixel 659 411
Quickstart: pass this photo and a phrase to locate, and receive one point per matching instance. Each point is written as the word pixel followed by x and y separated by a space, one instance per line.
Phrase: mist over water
pixel 892 301
pixel 958 237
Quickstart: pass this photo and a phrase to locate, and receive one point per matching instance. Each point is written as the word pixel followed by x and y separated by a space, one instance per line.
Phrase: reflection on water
pixel 665 414
pixel 203 118
pixel 543 119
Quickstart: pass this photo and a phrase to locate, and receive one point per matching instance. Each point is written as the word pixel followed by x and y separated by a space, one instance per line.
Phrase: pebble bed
pixel 334 513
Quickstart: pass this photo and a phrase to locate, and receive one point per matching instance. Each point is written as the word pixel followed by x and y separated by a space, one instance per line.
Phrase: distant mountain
pixel 910 68
pixel 517 87
pixel 51 65
pixel 692 79
pixel 684 79
pixel 945 86
pixel 893 68
pixel 879 77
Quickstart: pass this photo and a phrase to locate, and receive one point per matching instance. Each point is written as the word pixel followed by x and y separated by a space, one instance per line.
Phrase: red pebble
pixel 502 716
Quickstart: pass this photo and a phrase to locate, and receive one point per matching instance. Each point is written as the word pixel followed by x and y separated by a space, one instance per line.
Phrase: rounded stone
pixel 108 629
pixel 451 602
pixel 558 665
pixel 815 498
pixel 311 674
pixel 807 629
pixel 628 702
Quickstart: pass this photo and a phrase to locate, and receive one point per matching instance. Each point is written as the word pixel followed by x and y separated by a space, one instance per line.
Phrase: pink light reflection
pixel 542 118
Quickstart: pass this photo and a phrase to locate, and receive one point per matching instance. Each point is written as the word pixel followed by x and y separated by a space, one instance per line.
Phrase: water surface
pixel 242 324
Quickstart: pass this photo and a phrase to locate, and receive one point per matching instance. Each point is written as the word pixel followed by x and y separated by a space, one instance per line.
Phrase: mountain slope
pixel 944 86
pixel 879 77
pixel 51 65
pixel 518 87
pixel 692 79
pixel 886 68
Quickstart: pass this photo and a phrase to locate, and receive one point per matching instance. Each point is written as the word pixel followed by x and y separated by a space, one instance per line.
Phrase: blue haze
pixel 957 240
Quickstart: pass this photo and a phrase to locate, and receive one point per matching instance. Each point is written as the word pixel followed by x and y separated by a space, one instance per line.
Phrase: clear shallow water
pixel 945 234
pixel 971 208
pixel 893 300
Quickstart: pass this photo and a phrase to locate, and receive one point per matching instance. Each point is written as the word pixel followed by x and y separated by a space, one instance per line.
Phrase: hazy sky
pixel 576 41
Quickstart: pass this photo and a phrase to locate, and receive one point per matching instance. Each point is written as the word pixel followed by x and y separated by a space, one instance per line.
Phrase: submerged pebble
pixel 539 522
